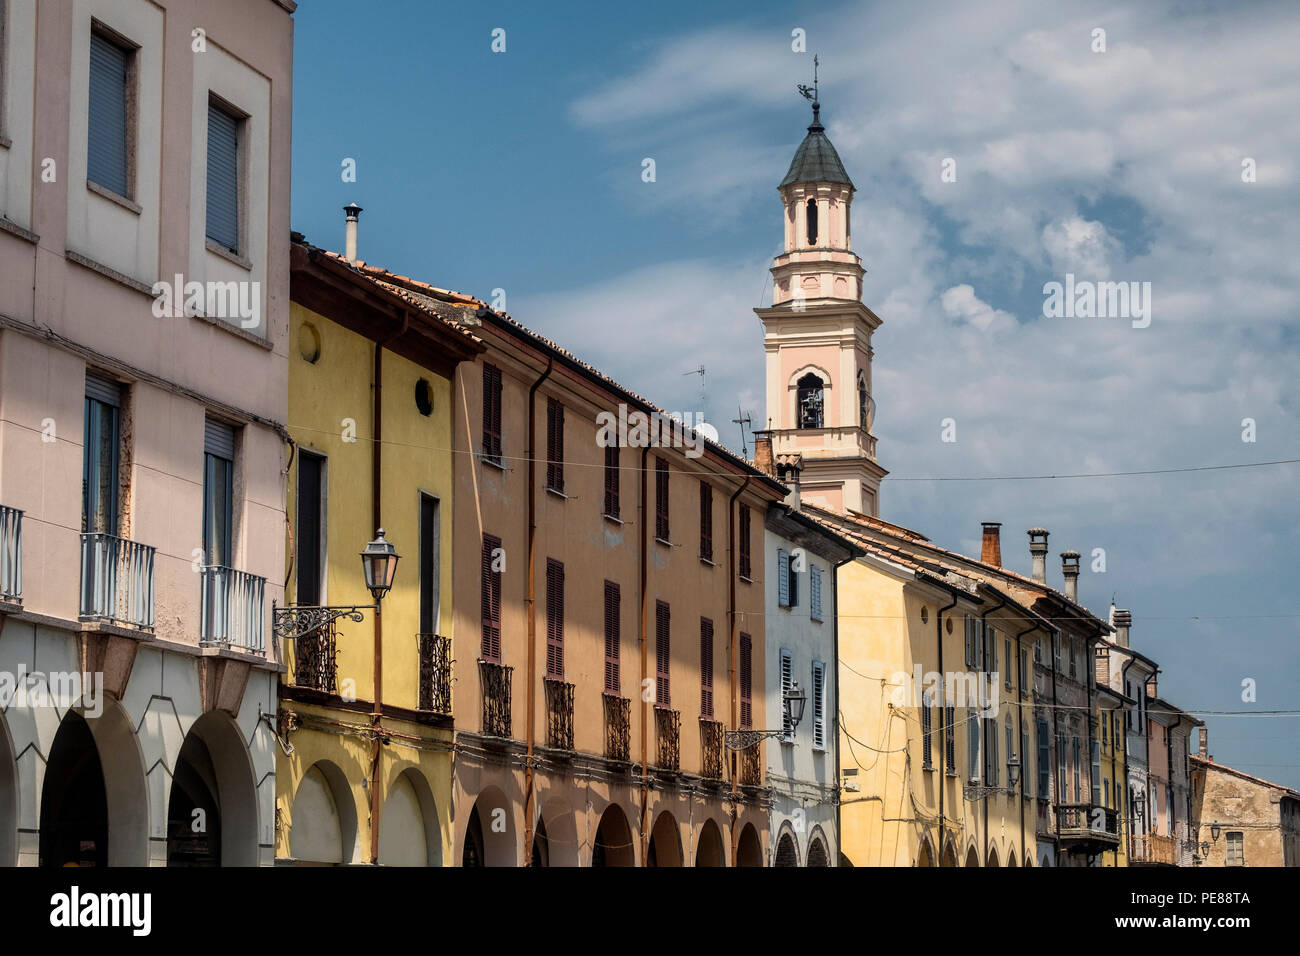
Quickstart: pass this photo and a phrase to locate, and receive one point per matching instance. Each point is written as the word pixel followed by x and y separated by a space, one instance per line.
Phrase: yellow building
pixel 1109 734
pixel 367 695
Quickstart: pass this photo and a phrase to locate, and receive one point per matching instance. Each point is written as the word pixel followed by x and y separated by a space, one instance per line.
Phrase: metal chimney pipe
pixel 1038 552
pixel 1070 570
pixel 350 247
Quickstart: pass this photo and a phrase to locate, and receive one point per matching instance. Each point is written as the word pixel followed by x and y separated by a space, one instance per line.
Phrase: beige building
pixel 1240 820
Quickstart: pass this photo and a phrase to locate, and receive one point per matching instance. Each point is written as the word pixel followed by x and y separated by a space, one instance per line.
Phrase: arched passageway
pixel 709 851
pixel 786 853
pixel 489 832
pixel 74 800
pixel 749 851
pixel 665 843
pixel 409 834
pixel 817 855
pixel 613 846
pixel 212 808
pixel 323 817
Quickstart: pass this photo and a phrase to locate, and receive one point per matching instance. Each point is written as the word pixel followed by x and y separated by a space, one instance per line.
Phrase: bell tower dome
pixel 817 335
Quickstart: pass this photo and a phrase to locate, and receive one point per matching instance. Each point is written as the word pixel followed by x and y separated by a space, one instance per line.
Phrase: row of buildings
pixel 585 635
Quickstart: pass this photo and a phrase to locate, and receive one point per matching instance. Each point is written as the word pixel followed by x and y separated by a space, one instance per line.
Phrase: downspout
pixel 1020 729
pixel 529 772
pixel 1091 677
pixel 1130 819
pixel 984 636
pixel 943 727
pixel 733 656
pixel 642 559
pixel 839 768
pixel 1056 744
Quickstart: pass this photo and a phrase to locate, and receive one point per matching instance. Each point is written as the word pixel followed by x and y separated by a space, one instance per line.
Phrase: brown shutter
pixel 490 603
pixel 611 480
pixel 554 619
pixel 492 412
pixel 744 542
pixel 554 445
pixel 661 499
pixel 746 681
pixel 706 521
pixel 706 667
pixel 612 631
pixel 663 695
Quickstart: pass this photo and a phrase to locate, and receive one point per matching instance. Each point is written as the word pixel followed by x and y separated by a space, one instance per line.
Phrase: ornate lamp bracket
pixel 744 739
pixel 291 623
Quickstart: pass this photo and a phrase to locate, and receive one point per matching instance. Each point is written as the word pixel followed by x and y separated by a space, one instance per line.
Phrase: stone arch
pixel 323 817
pixel 749 851
pixel 972 858
pixel 949 856
pixel 614 845
pixel 925 856
pixel 1011 860
pixel 787 848
pixel 797 380
pixel 992 859
pixel 409 834
pixel 8 798
pixel 708 849
pixel 557 827
pixel 213 786
pixel 490 838
pixel 817 853
pixel 665 842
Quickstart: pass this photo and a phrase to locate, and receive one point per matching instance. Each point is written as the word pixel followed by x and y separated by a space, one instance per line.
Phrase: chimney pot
pixel 991 546
pixel 353 212
pixel 1038 553
pixel 1122 620
pixel 1205 743
pixel 1070 570
pixel 763 454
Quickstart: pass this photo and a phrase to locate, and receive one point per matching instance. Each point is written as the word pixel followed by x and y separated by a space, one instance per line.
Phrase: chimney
pixel 1205 744
pixel 763 453
pixel 1122 620
pixel 789 468
pixel 991 548
pixel 1038 552
pixel 1070 569
pixel 350 247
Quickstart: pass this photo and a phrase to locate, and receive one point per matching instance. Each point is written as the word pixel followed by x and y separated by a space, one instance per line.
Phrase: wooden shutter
pixel 706 521
pixel 746 681
pixel 107 134
pixel 663 689
pixel 611 480
pixel 973 745
pixel 782 577
pixel 490 601
pixel 819 704
pixel 925 735
pixel 745 569
pixel 991 753
pixel 223 178
pixel 991 653
pixel 1009 660
pixel 1076 758
pixel 661 499
pixel 554 619
pixel 787 680
pixel 492 413
pixel 613 601
pixel 1024 760
pixel 970 641
pixel 554 445
pixel 706 667
pixel 1095 779
pixel 815 593
pixel 950 737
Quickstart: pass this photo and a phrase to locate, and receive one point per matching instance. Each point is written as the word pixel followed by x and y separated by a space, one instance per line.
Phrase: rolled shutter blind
pixel 219 440
pixel 223 178
pixel 103 390
pixel 106 130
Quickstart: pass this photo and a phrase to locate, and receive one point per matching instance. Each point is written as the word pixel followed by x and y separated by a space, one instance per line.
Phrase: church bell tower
pixel 817 335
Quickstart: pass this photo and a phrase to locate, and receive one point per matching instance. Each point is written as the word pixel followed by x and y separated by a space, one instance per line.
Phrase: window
pixel 1024 760
pixel 973 743
pixel 311 529
pixel 1062 768
pixel 864 402
pixel 492 414
pixel 1044 762
pixel 745 569
pixel 554 619
pixel 787 579
pixel 554 445
pixel 1095 780
pixel 970 641
pixel 1038 652
pixel 1073 659
pixel 611 481
pixel 100 456
pixel 218 493
pixel 706 667
pixel 1011 746
pixel 991 753
pixel 490 599
pixel 927 762
pixel 815 593
pixel 746 681
pixel 1236 849
pixel 1075 755
pixel 1105 729
pixel 1106 790
pixel 812 222
pixel 819 705
pixel 809 394
pixel 787 679
pixel 706 521
pixel 950 737
pixel 224 128
pixel 613 600
pixel 1024 672
pixel 110 126
pixel 430 565
pixel 663 691
pixel 661 499
pixel 991 650
pixel 1007 660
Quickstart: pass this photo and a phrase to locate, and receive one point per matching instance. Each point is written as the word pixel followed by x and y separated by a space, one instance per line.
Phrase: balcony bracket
pixel 291 623
pixel 745 739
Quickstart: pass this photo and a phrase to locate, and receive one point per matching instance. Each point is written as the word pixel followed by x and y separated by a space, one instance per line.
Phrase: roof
pixel 1198 759
pixel 815 161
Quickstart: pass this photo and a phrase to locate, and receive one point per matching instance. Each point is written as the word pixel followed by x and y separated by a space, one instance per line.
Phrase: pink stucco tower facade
pixel 817 336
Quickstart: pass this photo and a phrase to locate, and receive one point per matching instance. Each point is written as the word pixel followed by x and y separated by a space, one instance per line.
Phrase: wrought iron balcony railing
pixel 1152 848
pixel 11 554
pixel 233 609
pixel 751 767
pixel 618 728
pixel 1088 822
pixel 315 659
pixel 559 714
pixel 668 733
pixel 116 581
pixel 435 673
pixel 711 747
pixel 494 680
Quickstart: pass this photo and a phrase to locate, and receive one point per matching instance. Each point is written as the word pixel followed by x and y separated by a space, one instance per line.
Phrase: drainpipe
pixel 1123 680
pixel 943 726
pixel 642 559
pixel 733 656
pixel 1020 729
pixel 1056 743
pixel 529 772
pixel 997 724
pixel 835 637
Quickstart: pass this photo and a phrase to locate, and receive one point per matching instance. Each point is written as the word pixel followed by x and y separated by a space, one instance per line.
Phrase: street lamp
pixel 379 563
pixel 1013 772
pixel 378 566
pixel 1214 832
pixel 793 702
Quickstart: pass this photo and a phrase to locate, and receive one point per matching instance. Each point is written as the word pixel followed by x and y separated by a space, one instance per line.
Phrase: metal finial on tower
pixel 810 93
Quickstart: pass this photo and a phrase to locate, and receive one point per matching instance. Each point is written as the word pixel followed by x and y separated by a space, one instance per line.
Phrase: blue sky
pixel 522 171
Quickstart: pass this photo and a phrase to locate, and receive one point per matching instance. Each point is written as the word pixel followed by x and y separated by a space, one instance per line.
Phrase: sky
pixel 1168 158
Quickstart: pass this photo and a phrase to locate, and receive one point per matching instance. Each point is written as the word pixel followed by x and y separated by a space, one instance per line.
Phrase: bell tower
pixel 817 335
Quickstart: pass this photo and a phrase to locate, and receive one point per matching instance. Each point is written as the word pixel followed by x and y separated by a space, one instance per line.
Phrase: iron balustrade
pixel 618 728
pixel 315 659
pixel 233 612
pixel 1152 848
pixel 116 581
pixel 1086 821
pixel 559 713
pixel 668 737
pixel 435 673
pixel 495 683
pixel 711 747
pixel 11 554
pixel 751 770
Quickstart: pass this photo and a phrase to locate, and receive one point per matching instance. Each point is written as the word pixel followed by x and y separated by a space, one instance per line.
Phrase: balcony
pixel 618 728
pixel 1088 824
pixel 711 736
pixel 1151 849
pixel 495 683
pixel 435 673
pixel 559 714
pixel 233 612
pixel 116 581
pixel 11 555
pixel 315 660
pixel 668 739
pixel 751 766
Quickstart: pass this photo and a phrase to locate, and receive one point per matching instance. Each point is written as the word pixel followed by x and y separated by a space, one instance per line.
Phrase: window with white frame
pixel 1236 848
pixel 819 705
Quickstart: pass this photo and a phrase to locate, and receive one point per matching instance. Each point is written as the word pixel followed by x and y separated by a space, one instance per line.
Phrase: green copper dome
pixel 816 160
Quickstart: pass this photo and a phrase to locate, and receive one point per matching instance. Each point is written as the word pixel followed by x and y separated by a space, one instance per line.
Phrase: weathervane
pixel 810 92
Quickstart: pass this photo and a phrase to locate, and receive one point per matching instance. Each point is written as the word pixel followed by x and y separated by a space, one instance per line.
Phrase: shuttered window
pixel 1095 780
pixel 554 619
pixel 101 437
pixel 1236 849
pixel 819 705
pixel 970 641
pixel 611 481
pixel 554 445
pixel 1011 746
pixel 1024 672
pixel 663 655
pixel 746 682
pixel 815 593
pixel 108 131
pixel 613 602
pixel 311 528
pixel 744 562
pixel 950 737
pixel 973 743
pixel 706 667
pixel 218 492
pixel 490 600
pixel 661 499
pixel 1076 755
pixel 1024 761
pixel 706 521
pixel 223 177
pixel 492 413
pixel 926 737
pixel 991 753
pixel 1044 762
pixel 787 681
pixel 1061 768
pixel 782 577
pixel 991 650
pixel 1008 661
